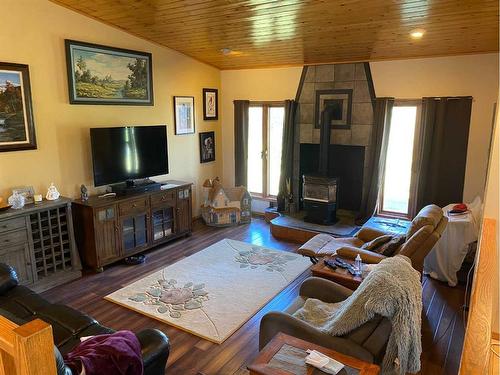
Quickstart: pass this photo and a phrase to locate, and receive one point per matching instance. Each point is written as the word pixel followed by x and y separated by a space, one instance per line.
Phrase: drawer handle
pixel 134 205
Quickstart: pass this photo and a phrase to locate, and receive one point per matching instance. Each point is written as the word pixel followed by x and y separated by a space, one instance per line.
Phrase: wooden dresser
pixel 110 229
pixel 38 242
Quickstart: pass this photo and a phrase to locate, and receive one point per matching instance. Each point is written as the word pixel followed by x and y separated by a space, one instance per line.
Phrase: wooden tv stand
pixel 111 229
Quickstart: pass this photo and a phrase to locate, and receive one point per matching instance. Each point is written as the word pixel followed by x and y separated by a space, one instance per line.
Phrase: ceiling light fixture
pixel 417 33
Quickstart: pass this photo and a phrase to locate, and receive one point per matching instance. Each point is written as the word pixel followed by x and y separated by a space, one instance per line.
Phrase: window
pixel 397 189
pixel 265 134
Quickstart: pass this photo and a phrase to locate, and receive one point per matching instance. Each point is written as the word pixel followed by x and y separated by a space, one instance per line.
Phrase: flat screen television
pixel 127 153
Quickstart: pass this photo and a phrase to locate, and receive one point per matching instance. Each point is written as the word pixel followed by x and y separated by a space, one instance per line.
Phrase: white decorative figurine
pixel 16 200
pixel 52 193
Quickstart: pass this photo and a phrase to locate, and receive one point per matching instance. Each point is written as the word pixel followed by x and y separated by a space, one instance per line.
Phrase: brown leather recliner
pixel 423 233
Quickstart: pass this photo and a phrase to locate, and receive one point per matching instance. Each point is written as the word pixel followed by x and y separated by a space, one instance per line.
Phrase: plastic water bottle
pixel 358 265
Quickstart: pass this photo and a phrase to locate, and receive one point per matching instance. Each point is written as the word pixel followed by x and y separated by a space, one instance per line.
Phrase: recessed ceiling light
pixel 417 33
pixel 226 51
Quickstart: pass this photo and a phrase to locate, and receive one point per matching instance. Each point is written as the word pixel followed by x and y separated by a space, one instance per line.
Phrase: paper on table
pixel 323 362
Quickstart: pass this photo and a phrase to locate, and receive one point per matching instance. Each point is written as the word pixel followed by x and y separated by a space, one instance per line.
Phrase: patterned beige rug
pixel 215 291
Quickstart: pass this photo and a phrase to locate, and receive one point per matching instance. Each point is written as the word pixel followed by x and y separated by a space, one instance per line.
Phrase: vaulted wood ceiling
pixel 264 33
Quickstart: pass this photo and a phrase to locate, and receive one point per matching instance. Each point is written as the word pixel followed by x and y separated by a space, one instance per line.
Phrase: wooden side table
pixel 285 355
pixel 340 275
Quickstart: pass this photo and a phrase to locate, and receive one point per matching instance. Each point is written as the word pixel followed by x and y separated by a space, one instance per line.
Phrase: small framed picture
pixel 210 104
pixel 184 114
pixel 207 147
pixel 27 192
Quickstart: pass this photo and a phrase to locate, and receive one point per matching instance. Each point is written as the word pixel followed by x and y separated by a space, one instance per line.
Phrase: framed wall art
pixel 339 103
pixel 184 114
pixel 17 127
pixel 106 75
pixel 210 104
pixel 207 147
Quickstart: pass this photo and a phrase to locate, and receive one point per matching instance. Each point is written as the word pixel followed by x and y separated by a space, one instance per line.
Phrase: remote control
pixel 107 195
pixel 351 270
pixel 341 263
pixel 330 263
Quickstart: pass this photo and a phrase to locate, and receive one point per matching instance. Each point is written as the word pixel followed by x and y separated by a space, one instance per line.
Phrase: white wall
pixel 492 202
pixel 492 208
pixel 474 75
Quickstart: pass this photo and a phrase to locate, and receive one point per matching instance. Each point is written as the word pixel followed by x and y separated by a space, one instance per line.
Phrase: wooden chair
pixel 26 349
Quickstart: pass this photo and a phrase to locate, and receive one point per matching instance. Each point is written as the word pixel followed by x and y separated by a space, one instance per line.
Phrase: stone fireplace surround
pixel 355 76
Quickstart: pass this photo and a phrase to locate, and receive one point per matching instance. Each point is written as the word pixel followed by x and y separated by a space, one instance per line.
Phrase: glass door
pixel 397 198
pixel 134 233
pixel 163 223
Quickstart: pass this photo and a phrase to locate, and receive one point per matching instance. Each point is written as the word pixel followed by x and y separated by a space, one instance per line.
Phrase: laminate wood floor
pixel 442 331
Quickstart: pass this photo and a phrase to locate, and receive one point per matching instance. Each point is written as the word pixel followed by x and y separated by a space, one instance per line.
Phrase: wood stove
pixel 319 194
pixel 319 191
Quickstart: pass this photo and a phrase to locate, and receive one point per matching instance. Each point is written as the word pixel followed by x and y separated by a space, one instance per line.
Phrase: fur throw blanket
pixel 393 290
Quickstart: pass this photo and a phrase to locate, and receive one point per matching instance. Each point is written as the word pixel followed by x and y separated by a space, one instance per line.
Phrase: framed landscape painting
pixel 17 128
pixel 210 104
pixel 106 75
pixel 184 114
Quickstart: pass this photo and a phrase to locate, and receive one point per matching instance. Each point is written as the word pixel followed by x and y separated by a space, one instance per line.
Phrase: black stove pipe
pixel 324 141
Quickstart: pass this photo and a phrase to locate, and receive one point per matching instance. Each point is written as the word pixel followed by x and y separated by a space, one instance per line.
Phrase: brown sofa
pixel 368 342
pixel 423 233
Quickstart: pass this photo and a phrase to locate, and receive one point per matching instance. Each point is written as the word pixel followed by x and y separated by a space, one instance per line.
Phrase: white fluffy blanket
pixel 392 290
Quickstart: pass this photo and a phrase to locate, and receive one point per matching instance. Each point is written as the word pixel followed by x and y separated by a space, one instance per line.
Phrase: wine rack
pixel 51 241
pixel 38 241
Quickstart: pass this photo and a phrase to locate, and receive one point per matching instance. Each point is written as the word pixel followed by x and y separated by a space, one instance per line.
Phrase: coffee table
pixel 285 355
pixel 340 275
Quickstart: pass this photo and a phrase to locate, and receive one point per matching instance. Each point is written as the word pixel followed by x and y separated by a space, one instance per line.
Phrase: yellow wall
pixel 32 32
pixel 251 84
pixel 475 75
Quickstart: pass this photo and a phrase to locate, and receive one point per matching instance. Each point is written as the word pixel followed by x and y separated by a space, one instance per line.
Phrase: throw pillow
pixel 377 242
pixel 389 248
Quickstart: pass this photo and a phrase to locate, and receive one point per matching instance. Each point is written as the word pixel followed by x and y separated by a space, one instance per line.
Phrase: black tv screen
pixel 128 153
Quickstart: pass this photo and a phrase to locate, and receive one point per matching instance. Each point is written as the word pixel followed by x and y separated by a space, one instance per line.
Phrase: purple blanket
pixel 118 353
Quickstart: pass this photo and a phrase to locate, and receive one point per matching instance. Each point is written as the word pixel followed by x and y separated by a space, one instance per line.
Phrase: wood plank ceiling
pixel 263 33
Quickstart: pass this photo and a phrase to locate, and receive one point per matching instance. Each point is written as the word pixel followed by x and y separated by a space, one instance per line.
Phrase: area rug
pixel 215 291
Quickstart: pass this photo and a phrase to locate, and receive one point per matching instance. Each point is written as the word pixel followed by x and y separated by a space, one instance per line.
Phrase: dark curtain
pixel 241 141
pixel 443 150
pixel 382 112
pixel 289 125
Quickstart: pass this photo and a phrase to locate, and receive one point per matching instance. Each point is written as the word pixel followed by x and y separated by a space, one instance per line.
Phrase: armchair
pixel 424 231
pixel 368 342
